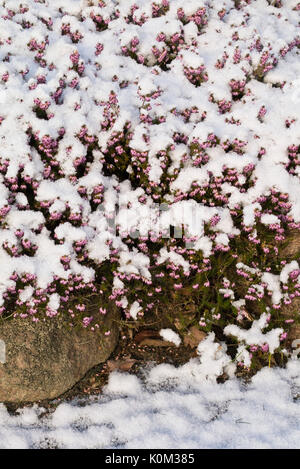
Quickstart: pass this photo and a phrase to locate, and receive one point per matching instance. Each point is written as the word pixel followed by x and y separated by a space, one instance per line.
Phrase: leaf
pixel 194 337
pixel 123 365
pixel 157 343
pixel 146 334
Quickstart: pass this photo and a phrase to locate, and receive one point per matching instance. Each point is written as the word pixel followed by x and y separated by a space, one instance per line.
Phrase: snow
pixel 254 335
pixel 273 285
pixel 135 309
pixel 267 219
pixel 54 302
pixel 288 268
pixel 163 410
pixel 170 336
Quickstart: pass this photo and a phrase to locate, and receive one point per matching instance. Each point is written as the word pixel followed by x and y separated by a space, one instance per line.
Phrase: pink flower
pixel 87 320
pixel 264 348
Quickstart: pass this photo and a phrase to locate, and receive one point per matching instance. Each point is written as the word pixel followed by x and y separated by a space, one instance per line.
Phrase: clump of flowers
pixel 150 156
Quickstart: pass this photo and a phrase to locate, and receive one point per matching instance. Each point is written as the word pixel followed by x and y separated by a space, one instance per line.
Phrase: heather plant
pixel 150 157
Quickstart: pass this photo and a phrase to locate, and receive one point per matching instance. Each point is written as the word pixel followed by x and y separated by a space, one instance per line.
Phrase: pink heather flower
pixel 283 336
pixel 264 348
pixel 87 320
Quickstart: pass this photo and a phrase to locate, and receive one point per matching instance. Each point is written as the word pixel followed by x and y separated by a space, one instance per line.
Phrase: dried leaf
pixel 145 334
pixel 123 365
pixel 194 337
pixel 157 343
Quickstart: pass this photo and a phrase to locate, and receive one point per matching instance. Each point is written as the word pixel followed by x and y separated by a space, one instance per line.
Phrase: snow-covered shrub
pixel 121 118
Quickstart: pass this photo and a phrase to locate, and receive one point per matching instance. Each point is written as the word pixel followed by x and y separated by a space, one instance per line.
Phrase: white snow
pixel 168 411
pixel 135 309
pixel 254 335
pixel 170 336
pixel 288 268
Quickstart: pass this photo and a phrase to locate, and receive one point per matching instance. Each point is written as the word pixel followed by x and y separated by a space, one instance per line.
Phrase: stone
pixel 291 248
pixel 289 312
pixel 45 359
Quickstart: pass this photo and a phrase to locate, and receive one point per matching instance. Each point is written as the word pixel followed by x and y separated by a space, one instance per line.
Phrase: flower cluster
pixel 150 156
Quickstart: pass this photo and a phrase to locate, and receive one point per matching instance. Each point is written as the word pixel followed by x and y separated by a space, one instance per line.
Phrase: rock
pixel 288 311
pixel 291 246
pixel 194 337
pixel 291 250
pixel 47 358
